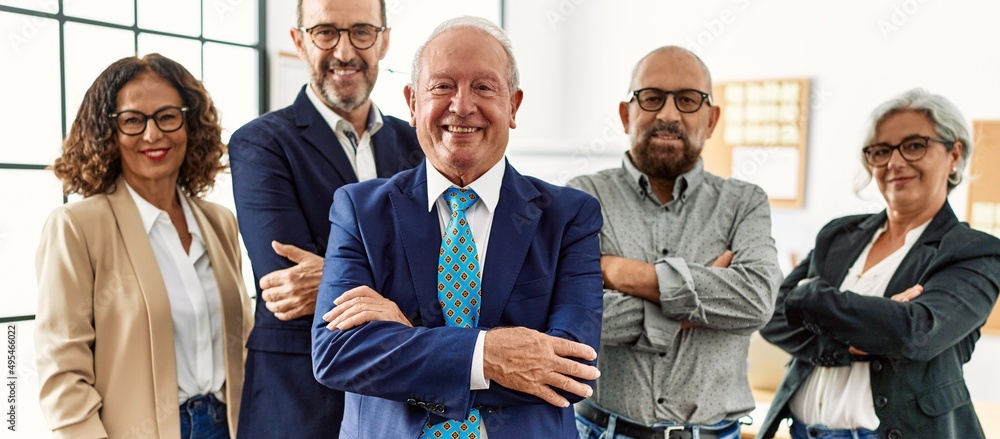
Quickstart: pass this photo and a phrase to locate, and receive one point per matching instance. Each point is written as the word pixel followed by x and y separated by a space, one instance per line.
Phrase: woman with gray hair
pixel 883 313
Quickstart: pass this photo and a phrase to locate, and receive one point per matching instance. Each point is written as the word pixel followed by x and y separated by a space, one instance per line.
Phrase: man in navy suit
pixel 409 368
pixel 286 166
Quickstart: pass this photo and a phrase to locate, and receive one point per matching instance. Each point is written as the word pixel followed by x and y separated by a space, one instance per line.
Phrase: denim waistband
pixel 800 429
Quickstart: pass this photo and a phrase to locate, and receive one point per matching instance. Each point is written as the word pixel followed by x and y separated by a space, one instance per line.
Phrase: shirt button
pixel 661 400
pixel 663 354
pixel 664 251
pixel 881 401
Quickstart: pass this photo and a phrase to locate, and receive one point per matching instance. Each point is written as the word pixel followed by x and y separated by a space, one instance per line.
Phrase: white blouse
pixel 841 397
pixel 195 308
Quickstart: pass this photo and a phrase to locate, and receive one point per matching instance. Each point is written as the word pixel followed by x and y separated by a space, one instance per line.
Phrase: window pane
pixel 86 60
pixel 235 95
pixel 37 193
pixel 50 6
pixel 186 52
pixel 30 118
pixel 231 20
pixel 412 22
pixel 110 11
pixel 176 16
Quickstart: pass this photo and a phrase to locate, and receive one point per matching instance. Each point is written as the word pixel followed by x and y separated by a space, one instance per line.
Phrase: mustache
pixel 354 63
pixel 670 128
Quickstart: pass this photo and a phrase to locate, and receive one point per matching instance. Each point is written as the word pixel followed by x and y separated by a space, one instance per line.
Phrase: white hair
pixel 481 24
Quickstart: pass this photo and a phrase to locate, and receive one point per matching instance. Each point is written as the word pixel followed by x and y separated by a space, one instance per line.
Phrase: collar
pixel 339 124
pixel 683 184
pixel 487 186
pixel 149 213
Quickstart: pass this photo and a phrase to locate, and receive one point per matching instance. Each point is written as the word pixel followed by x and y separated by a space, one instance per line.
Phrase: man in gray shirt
pixel 689 264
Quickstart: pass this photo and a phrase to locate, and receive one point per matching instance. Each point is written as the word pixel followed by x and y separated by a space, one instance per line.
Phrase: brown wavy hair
pixel 91 160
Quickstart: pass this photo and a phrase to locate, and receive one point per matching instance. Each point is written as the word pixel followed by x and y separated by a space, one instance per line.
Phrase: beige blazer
pixel 104 336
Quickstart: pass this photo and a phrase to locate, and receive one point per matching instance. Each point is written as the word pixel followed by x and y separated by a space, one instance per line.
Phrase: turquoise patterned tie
pixel 458 292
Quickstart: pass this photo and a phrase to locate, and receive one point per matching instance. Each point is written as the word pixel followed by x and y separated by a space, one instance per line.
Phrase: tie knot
pixel 460 199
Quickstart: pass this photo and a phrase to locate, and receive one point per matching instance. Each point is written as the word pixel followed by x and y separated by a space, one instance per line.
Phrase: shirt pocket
pixel 944 398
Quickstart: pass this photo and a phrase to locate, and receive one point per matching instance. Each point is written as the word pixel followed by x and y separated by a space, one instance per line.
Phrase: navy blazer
pixel 543 273
pixel 917 348
pixel 286 166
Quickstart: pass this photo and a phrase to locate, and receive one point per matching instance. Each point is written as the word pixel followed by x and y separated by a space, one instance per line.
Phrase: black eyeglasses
pixel 326 37
pixel 912 148
pixel 133 123
pixel 686 100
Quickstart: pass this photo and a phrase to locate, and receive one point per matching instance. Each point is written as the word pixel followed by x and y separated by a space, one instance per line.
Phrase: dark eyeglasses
pixel 133 123
pixel 912 148
pixel 653 99
pixel 326 37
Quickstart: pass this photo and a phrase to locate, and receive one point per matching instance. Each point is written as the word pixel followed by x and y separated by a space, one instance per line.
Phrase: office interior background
pixel 575 59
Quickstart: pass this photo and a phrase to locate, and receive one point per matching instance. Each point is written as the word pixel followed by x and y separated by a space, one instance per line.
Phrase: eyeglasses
pixel 133 123
pixel 326 37
pixel 686 100
pixel 912 148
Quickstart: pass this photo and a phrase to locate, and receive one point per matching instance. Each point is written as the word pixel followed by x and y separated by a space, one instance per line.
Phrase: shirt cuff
pixel 676 286
pixel 477 380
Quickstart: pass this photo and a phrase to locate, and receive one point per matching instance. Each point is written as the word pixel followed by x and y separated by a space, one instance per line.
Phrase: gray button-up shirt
pixel 651 370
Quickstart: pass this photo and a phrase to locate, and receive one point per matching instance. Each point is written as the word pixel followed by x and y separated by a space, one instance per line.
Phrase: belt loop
pixel 609 433
pixel 695 432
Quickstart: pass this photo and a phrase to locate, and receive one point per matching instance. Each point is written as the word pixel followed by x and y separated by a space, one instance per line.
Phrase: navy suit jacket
pixel 917 348
pixel 543 273
pixel 286 166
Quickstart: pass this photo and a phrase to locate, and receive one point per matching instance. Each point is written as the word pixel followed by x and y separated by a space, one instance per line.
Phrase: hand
pixel 291 293
pixel 856 352
pixel 908 295
pixel 362 305
pixel 723 260
pixel 532 362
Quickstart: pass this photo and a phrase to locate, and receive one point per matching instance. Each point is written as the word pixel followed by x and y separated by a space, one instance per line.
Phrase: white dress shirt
pixel 841 397
pixel 480 218
pixel 195 308
pixel 362 157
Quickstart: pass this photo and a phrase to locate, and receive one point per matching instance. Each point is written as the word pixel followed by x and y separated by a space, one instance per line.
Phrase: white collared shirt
pixel 841 397
pixel 195 308
pixel 362 158
pixel 480 217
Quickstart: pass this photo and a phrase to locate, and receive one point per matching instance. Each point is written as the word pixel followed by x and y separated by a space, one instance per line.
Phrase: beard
pixel 664 162
pixel 344 98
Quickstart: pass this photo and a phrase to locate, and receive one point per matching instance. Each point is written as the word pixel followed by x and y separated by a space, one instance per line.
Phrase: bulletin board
pixel 762 135
pixel 984 191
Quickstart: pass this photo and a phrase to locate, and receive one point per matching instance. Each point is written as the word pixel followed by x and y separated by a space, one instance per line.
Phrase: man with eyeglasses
pixel 286 166
pixel 689 265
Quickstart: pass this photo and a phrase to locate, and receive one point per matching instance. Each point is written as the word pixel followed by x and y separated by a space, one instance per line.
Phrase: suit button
pixel 411 401
pixel 439 408
pixel 895 434
pixel 881 401
pixel 877 366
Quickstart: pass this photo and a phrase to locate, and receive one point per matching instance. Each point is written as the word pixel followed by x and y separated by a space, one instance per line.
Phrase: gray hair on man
pixel 470 22
pixel 947 120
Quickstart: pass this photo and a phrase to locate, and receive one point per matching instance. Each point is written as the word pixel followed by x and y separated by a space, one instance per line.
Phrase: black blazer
pixel 916 348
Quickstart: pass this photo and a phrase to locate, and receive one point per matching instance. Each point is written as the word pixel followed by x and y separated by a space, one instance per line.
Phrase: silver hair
pixel 940 112
pixel 704 68
pixel 469 22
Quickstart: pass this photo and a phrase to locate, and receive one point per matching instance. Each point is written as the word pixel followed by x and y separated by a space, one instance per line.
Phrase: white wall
pixel 576 56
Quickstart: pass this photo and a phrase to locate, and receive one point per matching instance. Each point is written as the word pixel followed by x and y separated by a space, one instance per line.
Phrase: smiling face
pixel 668 143
pixel 152 158
pixel 343 76
pixel 921 185
pixel 462 106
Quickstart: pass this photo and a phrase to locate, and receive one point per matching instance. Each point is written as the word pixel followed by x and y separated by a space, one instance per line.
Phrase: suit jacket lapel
pixel 514 224
pixel 319 134
pixel 386 150
pixel 846 250
pixel 922 251
pixel 152 288
pixel 421 243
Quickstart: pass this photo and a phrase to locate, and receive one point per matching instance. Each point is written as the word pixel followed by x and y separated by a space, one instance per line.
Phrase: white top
pixel 841 397
pixel 195 308
pixel 363 159
pixel 480 218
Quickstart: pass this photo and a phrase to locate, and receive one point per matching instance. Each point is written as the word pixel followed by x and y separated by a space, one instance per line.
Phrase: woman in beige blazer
pixel 142 312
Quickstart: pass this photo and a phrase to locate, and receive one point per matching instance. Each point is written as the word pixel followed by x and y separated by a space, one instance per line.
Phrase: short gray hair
pixel 481 24
pixel 939 111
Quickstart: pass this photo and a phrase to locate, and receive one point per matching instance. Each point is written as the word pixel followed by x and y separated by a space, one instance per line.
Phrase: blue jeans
pixel 204 417
pixel 590 430
pixel 800 430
